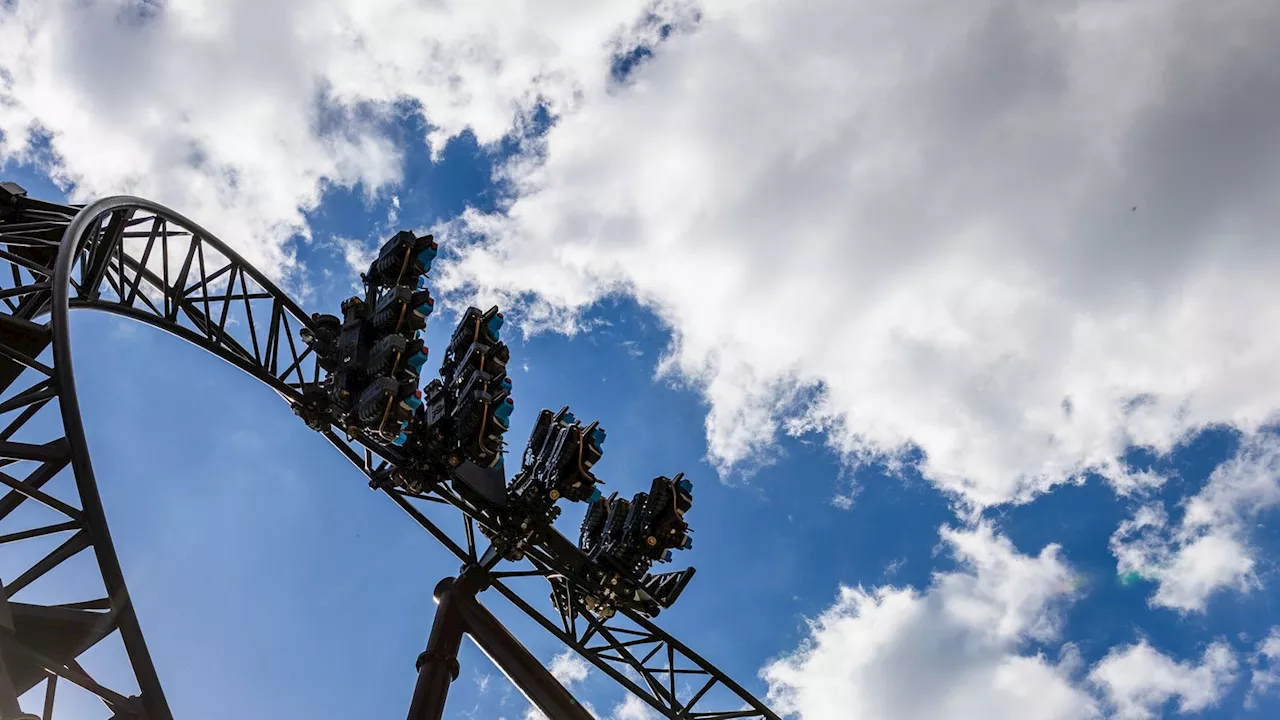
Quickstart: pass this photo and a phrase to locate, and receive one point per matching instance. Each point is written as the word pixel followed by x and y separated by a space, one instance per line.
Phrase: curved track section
pixel 135 258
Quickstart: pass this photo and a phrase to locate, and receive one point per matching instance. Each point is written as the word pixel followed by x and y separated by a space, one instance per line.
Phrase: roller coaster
pixel 357 379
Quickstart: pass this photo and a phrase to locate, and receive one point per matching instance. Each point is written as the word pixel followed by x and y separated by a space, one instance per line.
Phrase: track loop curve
pixel 135 258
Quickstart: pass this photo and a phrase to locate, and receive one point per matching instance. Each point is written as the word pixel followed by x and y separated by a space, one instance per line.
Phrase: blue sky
pixel 967 352
pixel 265 570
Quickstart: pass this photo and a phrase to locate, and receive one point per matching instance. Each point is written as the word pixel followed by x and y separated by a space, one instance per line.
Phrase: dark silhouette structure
pixel 136 259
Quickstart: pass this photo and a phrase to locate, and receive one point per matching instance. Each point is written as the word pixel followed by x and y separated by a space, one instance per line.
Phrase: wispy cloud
pixel 1209 548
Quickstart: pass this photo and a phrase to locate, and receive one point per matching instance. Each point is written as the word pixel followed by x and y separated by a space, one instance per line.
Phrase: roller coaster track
pixel 137 259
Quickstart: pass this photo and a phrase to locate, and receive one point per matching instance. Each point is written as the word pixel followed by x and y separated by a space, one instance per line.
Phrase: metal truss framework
pixel 134 258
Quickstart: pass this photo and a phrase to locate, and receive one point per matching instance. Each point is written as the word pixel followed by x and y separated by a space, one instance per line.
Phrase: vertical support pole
pixel 438 664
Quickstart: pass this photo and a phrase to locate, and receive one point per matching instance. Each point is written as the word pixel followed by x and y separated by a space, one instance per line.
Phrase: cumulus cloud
pixel 1138 680
pixel 357 254
pixel 1019 237
pixel 1266 665
pixel 633 708
pixel 569 668
pixel 957 649
pixel 240 113
pixel 964 648
pixel 1006 234
pixel 1208 549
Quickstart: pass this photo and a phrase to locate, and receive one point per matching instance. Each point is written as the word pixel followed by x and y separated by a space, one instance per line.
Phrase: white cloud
pixel 955 650
pixel 240 113
pixel 1138 680
pixel 1240 488
pixel 1208 550
pixel 482 683
pixel 1266 665
pixel 1136 483
pixel 569 668
pixel 1006 234
pixel 633 708
pixel 357 254
pixel 960 649
pixel 1021 237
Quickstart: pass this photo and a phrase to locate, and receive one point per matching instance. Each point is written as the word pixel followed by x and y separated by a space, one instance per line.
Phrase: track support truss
pixel 134 258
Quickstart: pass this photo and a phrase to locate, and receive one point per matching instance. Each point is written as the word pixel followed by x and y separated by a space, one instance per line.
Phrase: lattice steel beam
pixel 136 259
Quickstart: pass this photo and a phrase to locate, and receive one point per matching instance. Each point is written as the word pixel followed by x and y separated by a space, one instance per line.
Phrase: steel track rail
pixel 137 259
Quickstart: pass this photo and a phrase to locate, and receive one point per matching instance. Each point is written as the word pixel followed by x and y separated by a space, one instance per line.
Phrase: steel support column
pixel 438 664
